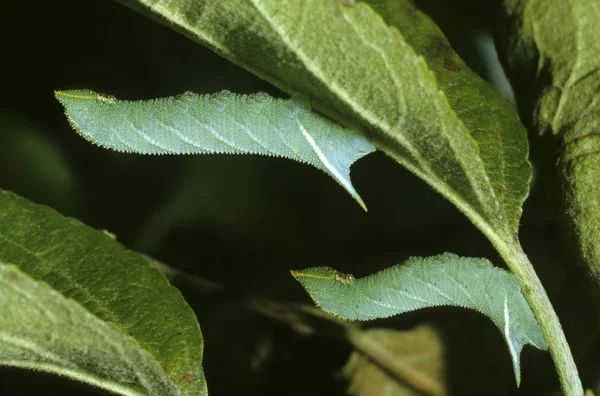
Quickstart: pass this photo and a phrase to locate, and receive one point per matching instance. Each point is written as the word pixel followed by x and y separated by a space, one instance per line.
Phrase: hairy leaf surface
pixel 445 280
pixel 223 123
pixel 554 55
pixel 492 121
pixel 115 287
pixel 345 58
pixel 42 330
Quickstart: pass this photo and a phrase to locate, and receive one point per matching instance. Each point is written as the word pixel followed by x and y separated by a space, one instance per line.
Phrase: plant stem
pixel 540 304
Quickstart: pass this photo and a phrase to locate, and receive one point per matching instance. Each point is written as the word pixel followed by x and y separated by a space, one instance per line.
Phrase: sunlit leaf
pixel 97 282
pixel 42 330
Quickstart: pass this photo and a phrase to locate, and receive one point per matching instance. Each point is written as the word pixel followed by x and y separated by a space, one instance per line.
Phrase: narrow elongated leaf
pixel 345 58
pixel 553 53
pixel 115 287
pixel 42 330
pixel 223 123
pixel 445 280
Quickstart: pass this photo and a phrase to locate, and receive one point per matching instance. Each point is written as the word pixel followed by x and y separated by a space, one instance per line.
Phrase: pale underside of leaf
pixel 222 123
pixel 42 330
pixel 445 280
pixel 115 286
pixel 354 67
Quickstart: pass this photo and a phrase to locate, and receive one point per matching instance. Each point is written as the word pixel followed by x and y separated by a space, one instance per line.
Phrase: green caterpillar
pixel 222 123
pixel 445 280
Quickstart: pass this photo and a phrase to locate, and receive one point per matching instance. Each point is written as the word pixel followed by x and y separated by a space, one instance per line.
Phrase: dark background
pixel 245 221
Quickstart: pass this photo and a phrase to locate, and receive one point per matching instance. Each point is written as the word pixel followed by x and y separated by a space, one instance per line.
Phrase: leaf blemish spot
pixel 450 65
pixel 188 377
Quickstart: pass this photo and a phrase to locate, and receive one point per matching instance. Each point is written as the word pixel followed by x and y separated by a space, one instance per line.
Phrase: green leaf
pixel 42 330
pixel 97 282
pixel 445 280
pixel 406 90
pixel 491 120
pixel 553 53
pixel 223 123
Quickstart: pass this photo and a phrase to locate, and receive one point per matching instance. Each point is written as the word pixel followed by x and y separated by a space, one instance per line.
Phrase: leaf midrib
pixel 24 343
pixel 103 309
